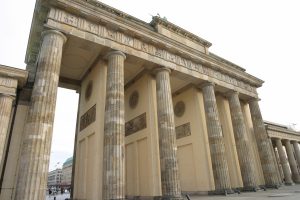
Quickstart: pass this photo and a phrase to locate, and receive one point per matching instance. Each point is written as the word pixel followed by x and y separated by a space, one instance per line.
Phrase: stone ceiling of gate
pixel 80 55
pixel 93 29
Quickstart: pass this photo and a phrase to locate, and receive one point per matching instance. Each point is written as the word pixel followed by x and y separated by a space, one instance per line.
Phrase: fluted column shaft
pixel 297 151
pixel 114 129
pixel 216 142
pixel 245 155
pixel 167 137
pixel 264 147
pixel 281 174
pixel 284 163
pixel 6 102
pixel 278 175
pixel 34 163
pixel 292 161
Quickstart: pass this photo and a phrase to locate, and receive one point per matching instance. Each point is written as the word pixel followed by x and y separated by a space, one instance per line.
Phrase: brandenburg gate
pixel 159 115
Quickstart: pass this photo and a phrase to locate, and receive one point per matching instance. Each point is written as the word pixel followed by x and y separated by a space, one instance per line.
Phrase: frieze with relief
pixel 138 44
pixel 183 130
pixel 136 124
pixel 8 82
pixel 87 118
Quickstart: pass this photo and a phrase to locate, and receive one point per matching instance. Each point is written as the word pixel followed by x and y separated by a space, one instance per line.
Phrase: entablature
pixel 11 79
pixel 103 21
pixel 19 75
pixel 282 132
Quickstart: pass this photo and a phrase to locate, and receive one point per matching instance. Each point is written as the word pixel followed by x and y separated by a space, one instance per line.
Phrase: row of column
pixel 34 161
pixel 114 137
pixel 38 131
pixel 290 165
pixel 243 145
pixel 114 132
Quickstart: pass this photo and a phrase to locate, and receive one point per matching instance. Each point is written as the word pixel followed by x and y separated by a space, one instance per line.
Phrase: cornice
pixel 19 74
pixel 223 60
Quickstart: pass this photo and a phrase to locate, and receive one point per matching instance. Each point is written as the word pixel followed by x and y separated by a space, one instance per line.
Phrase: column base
pixel 250 189
pixel 170 198
pixel 117 199
pixel 273 186
pixel 222 192
pixel 289 184
pixel 152 198
pixel 109 199
pixel 297 181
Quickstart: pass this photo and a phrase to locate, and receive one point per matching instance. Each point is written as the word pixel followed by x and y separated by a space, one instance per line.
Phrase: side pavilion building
pixel 159 114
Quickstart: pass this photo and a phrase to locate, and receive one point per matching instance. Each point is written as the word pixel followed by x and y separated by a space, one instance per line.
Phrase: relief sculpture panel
pixel 136 124
pixel 87 118
pixel 183 130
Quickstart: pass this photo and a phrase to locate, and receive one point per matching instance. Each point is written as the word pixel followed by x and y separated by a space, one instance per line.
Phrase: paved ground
pixel 58 197
pixel 285 192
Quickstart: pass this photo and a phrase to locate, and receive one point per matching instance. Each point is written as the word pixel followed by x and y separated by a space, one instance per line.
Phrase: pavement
pixel 58 196
pixel 284 192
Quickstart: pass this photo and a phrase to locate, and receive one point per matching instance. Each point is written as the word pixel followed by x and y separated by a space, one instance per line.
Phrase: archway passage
pixel 61 157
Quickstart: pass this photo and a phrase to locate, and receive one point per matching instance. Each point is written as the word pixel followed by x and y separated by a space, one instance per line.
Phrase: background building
pixel 67 173
pixel 54 178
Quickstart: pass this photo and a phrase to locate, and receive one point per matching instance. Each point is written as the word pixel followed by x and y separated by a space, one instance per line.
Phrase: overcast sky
pixel 262 36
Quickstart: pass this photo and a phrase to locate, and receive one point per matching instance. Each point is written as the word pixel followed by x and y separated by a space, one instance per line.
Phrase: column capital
pixel 55 32
pixel 206 83
pixel 277 139
pixel 159 69
pixel 286 141
pixel 253 99
pixel 7 95
pixel 230 93
pixel 115 52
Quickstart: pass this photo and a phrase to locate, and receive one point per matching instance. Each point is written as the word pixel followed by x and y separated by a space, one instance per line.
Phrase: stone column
pixel 281 174
pixel 284 163
pixel 216 143
pixel 114 129
pixel 278 175
pixel 264 147
pixel 167 136
pixel 297 151
pixel 35 153
pixel 292 161
pixel 6 102
pixel 243 146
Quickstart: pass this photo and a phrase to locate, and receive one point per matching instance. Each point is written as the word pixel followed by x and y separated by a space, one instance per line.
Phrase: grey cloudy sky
pixel 262 36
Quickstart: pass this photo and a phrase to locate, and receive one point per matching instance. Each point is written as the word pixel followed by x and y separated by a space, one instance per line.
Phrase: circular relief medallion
pixel 134 99
pixel 179 108
pixel 88 90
